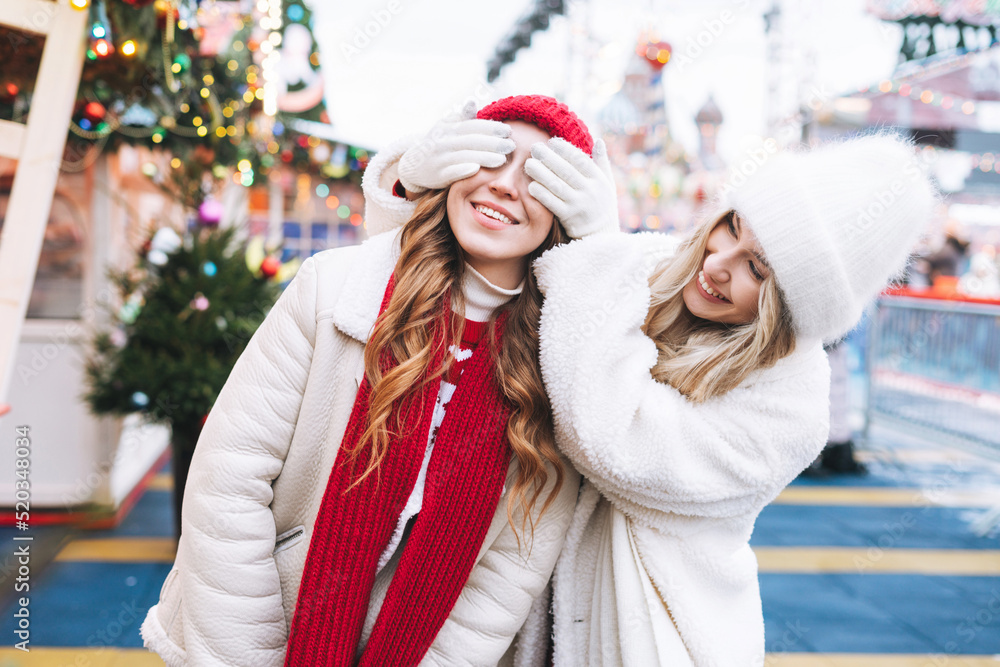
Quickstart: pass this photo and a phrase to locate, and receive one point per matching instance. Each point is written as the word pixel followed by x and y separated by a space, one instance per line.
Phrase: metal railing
pixel 933 369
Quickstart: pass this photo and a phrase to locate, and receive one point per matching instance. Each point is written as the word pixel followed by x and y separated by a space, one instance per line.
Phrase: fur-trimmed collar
pixel 361 296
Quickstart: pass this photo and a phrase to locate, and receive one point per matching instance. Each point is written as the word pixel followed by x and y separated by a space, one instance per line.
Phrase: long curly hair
pixel 700 358
pixel 430 269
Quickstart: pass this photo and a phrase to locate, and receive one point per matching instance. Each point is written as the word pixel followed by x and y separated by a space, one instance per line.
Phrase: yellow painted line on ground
pixel 161 482
pixel 803 560
pixel 814 560
pixel 887 497
pixel 877 660
pixel 64 657
pixel 121 549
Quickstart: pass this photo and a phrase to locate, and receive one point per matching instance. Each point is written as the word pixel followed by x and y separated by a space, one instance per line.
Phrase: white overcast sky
pixel 430 55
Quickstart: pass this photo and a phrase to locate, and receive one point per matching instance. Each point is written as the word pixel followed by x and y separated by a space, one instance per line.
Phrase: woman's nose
pixel 505 182
pixel 718 266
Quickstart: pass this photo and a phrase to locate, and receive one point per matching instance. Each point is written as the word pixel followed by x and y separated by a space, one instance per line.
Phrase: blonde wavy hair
pixel 430 269
pixel 700 358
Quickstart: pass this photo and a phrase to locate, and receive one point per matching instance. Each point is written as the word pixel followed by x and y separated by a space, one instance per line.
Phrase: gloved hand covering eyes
pixel 579 190
pixel 455 148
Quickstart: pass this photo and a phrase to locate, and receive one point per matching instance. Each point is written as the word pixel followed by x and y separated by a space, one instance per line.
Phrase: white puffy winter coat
pixel 260 470
pixel 657 568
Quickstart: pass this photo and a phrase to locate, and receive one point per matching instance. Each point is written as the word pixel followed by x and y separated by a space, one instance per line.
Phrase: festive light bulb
pixel 103 48
pixel 98 31
pixel 128 48
pixel 79 4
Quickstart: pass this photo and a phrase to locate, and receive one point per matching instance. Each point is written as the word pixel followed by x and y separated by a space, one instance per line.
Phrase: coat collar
pixel 360 299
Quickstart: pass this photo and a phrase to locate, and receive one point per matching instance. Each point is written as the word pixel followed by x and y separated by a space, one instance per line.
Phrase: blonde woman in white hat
pixel 689 385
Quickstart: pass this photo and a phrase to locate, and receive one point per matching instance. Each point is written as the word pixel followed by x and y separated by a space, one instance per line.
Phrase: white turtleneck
pixel 483 297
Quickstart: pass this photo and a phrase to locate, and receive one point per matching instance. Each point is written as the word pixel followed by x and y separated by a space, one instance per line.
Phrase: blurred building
pixel 945 93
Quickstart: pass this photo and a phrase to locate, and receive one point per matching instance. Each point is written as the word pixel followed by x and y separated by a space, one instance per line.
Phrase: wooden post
pixel 38 147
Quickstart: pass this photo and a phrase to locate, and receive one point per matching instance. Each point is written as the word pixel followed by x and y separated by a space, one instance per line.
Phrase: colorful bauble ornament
pixel 210 212
pixel 164 242
pixel 129 312
pixel 656 54
pixel 269 267
pixel 200 302
pixel 118 337
pixel 94 111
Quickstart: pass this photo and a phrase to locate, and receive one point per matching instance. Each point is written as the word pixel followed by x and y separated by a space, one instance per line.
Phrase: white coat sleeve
pixel 641 443
pixel 383 209
pixel 506 581
pixel 230 592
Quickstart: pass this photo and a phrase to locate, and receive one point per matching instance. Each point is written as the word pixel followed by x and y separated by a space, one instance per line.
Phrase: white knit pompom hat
pixel 836 224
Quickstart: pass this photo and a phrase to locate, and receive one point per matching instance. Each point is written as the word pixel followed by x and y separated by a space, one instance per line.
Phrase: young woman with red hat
pixel 378 481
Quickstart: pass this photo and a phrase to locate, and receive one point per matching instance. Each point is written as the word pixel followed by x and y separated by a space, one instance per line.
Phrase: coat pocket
pixel 289 538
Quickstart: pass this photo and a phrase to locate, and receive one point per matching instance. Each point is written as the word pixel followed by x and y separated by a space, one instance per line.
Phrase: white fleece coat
pixel 259 473
pixel 657 567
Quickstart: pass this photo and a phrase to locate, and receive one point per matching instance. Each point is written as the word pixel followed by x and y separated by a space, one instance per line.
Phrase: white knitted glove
pixel 580 191
pixel 455 148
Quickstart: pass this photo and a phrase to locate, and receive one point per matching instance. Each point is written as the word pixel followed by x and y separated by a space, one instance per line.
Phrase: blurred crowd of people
pixel 974 273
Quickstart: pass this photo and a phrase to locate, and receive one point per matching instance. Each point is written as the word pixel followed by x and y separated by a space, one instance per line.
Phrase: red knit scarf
pixel 465 478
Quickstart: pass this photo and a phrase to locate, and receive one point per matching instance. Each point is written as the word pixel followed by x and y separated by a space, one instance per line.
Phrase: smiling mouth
pixel 708 291
pixel 496 215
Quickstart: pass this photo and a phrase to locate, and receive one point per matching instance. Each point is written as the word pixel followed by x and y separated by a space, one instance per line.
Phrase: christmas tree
pixel 189 308
pixel 219 86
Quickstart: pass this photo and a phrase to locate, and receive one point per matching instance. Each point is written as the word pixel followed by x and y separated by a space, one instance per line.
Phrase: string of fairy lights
pixel 905 86
pixel 94 126
pixel 220 69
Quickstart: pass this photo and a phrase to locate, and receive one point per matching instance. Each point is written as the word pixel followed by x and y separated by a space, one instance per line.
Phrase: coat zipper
pixel 287 538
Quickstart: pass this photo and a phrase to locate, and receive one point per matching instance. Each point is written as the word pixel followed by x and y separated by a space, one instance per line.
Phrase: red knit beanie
pixel 547 113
